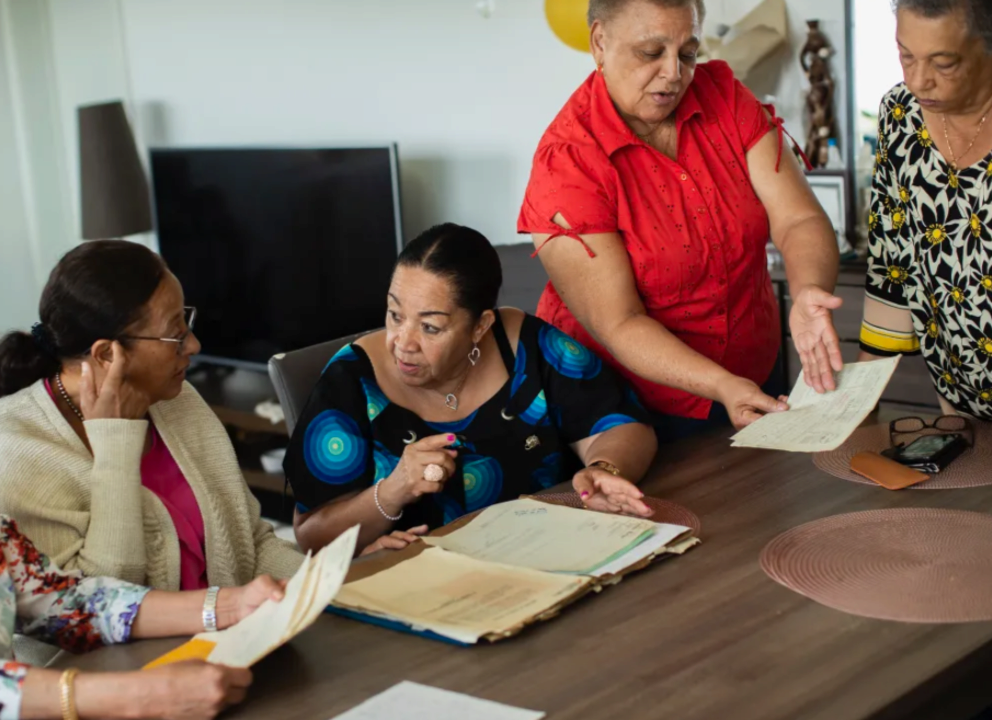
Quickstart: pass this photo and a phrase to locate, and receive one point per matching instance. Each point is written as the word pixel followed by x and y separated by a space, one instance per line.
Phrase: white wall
pixel 31 191
pixel 91 62
pixel 17 286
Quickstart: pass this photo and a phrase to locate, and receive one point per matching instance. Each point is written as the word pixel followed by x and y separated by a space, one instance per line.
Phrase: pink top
pixel 161 474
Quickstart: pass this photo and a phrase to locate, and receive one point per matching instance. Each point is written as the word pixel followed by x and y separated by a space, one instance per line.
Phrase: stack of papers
pixel 821 422
pixel 513 564
pixel 536 535
pixel 273 624
pixel 459 597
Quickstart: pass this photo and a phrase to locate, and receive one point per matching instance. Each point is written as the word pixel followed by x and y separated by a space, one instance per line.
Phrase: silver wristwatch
pixel 210 610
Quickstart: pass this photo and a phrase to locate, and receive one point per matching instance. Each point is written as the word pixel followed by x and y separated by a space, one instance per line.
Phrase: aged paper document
pixel 540 536
pixel 308 592
pixel 412 701
pixel 660 541
pixel 457 596
pixel 818 423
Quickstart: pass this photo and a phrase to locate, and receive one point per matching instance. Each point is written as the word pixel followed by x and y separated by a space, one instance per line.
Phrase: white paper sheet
pixel 540 536
pixel 663 535
pixel 412 701
pixel 821 422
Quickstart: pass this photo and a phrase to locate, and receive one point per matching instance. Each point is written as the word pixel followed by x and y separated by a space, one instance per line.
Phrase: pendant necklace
pixel 451 398
pixel 950 148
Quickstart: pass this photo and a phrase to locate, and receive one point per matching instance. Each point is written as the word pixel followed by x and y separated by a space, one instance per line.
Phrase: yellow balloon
pixel 567 19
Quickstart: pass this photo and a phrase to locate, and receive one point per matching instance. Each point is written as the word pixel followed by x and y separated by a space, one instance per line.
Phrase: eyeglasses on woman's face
pixel 189 318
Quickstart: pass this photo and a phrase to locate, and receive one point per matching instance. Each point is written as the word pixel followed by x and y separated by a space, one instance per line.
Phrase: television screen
pixel 278 249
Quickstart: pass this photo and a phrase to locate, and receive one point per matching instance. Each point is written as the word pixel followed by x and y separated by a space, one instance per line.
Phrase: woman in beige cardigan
pixel 109 460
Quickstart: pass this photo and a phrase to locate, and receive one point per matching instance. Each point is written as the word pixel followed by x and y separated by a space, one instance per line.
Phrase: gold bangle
pixel 67 693
pixel 607 466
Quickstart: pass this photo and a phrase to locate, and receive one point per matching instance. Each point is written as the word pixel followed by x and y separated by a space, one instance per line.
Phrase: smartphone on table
pixel 930 453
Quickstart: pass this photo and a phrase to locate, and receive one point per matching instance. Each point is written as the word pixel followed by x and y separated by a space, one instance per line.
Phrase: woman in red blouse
pixel 669 179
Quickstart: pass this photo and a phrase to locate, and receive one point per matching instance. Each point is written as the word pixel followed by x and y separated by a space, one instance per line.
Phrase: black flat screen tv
pixel 278 248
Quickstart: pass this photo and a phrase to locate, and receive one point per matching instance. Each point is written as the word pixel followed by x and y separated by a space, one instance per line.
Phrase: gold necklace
pixel 950 148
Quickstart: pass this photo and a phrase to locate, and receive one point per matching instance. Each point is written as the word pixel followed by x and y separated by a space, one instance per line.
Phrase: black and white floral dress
pixel 929 286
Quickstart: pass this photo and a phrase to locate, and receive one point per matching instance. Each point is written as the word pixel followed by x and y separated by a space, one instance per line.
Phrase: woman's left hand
pixel 235 604
pixel 606 492
pixel 812 327
pixel 396 540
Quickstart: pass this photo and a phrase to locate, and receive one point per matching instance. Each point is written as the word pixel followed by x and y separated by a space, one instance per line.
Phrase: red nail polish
pixel 450 438
pixel 584 495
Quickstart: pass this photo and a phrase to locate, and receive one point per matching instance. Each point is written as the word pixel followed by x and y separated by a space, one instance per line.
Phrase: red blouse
pixel 694 229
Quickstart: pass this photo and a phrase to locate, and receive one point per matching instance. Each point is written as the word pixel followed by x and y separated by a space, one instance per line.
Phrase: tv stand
pixel 233 394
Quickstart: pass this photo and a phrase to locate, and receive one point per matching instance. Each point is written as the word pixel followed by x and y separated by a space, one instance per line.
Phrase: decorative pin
pixel 504 415
pixel 532 442
pixel 412 439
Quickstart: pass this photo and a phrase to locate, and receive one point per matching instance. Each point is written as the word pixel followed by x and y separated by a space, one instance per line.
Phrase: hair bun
pixel 44 340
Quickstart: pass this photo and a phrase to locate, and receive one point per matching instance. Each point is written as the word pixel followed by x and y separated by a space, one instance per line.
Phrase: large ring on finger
pixel 434 473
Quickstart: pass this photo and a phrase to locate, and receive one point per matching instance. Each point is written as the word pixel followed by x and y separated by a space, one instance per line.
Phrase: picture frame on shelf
pixel 831 189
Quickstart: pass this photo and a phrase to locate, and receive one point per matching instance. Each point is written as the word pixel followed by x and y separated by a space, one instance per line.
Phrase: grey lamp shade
pixel 114 190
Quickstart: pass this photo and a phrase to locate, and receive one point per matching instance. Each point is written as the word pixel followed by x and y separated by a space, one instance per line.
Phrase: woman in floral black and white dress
pixel 929 285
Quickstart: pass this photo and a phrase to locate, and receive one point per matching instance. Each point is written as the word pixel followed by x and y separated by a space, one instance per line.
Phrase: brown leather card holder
pixel 887 473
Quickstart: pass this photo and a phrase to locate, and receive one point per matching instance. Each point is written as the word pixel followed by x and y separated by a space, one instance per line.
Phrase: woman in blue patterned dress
pixel 81 614
pixel 457 405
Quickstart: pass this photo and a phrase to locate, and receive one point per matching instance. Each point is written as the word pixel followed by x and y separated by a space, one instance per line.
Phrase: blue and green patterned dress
pixel 351 436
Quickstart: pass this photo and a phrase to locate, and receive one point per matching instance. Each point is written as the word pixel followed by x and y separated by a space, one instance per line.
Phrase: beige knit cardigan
pixel 91 513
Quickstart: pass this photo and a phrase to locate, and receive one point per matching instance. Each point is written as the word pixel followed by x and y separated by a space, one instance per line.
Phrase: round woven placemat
pixel 973 468
pixel 664 510
pixel 910 564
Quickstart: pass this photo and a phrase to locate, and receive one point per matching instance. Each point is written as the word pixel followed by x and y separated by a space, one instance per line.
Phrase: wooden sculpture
pixel 822 121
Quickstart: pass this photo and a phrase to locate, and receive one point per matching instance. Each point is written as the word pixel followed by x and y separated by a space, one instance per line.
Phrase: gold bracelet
pixel 607 466
pixel 67 692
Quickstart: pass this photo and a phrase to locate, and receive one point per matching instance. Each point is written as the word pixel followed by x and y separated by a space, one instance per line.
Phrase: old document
pixel 540 536
pixel 309 591
pixel 818 423
pixel 663 540
pixel 458 597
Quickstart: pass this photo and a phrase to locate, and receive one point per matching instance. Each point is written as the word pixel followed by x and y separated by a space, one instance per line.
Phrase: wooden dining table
pixel 704 636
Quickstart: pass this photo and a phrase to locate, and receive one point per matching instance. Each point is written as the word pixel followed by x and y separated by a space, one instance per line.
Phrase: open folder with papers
pixel 490 575
pixel 275 623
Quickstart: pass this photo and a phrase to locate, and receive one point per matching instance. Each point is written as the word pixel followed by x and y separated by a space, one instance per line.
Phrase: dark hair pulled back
pixel 463 257
pixel 95 292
